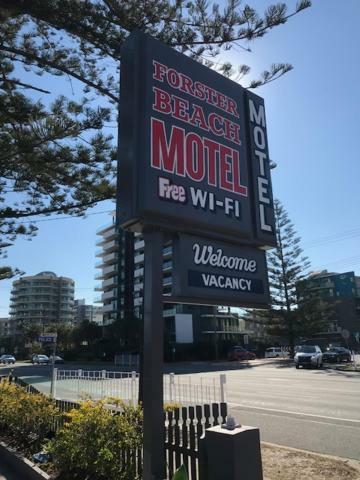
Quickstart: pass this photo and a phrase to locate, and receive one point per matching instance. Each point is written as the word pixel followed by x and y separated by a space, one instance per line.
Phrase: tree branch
pixel 58 67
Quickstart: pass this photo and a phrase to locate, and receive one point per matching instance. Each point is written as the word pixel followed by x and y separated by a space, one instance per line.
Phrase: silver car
pixel 7 359
pixel 308 356
pixel 40 359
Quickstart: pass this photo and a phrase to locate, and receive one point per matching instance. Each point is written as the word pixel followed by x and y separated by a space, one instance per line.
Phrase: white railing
pixel 98 384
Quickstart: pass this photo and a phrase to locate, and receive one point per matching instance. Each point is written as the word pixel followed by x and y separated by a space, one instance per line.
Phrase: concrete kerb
pixel 21 465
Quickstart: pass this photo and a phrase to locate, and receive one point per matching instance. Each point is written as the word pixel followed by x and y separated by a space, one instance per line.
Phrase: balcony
pixel 108 245
pixel 139 258
pixel 108 308
pixel 109 282
pixel 109 295
pixel 138 287
pixel 167 266
pixel 138 302
pixel 167 252
pixel 108 259
pixel 170 312
pixel 139 244
pixel 139 273
pixel 107 272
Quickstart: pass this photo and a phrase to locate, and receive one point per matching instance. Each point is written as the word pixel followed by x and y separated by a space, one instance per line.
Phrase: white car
pixel 40 359
pixel 308 356
pixel 275 352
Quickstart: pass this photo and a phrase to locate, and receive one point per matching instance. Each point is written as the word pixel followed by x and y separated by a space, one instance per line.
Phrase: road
pixel 316 410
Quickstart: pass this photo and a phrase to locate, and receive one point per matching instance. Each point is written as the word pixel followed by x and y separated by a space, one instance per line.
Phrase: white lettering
pixel 205 255
pixel 263 224
pixel 259 138
pixel 263 184
pixel 257 117
pixel 198 197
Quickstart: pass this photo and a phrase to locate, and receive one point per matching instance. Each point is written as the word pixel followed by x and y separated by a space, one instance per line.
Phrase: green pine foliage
pixel 291 315
pixel 56 153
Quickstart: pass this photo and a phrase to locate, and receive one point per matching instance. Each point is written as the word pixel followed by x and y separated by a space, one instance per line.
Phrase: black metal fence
pixel 184 435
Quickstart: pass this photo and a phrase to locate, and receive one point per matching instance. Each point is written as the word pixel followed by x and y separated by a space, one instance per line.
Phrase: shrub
pixel 98 442
pixel 26 418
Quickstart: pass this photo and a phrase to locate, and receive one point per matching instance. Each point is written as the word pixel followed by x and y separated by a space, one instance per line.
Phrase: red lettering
pixel 232 131
pixel 161 101
pixel 187 85
pixel 232 107
pixel 198 117
pixel 214 117
pixel 195 167
pixel 159 71
pixel 212 149
pixel 173 78
pixel 164 156
pixel 199 90
pixel 225 168
pixel 210 94
pixel 238 187
pixel 180 109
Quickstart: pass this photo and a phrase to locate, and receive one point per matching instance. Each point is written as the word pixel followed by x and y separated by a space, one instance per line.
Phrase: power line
pixel 51 219
pixel 336 237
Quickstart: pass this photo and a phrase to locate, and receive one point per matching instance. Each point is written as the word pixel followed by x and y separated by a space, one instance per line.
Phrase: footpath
pixel 285 463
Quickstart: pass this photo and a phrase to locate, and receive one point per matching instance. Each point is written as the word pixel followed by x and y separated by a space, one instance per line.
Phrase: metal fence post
pixel 222 387
pixel 103 379
pixel 133 387
pixel 78 383
pixel 171 386
pixel 53 382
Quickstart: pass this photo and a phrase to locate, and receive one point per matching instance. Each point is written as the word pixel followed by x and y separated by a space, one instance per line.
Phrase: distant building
pixel 43 298
pixel 84 312
pixel 7 327
pixel 342 292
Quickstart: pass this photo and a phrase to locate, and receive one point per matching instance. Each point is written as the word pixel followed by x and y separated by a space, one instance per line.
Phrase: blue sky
pixel 313 127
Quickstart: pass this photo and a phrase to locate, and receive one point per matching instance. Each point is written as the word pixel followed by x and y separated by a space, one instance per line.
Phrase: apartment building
pixel 342 292
pixel 84 312
pixel 7 327
pixel 43 298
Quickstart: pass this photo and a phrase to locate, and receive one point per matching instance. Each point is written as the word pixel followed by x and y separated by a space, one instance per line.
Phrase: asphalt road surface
pixel 7 473
pixel 316 410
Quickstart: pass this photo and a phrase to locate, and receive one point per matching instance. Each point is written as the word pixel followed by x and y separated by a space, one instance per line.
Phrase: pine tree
pixel 291 315
pixel 54 154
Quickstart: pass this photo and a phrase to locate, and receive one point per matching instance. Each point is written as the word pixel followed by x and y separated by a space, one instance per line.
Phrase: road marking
pixel 275 410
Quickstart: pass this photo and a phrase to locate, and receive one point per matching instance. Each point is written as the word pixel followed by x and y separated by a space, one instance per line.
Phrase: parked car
pixel 57 359
pixel 275 352
pixel 40 359
pixel 308 356
pixel 337 355
pixel 7 359
pixel 239 353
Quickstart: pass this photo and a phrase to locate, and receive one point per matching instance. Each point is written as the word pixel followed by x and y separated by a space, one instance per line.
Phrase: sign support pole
pixel 154 430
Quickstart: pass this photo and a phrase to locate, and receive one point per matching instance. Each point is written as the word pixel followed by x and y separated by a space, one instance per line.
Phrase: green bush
pixel 25 418
pixel 98 442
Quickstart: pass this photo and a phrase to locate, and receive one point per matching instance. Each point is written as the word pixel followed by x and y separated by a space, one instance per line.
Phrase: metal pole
pixel 154 431
pixel 52 385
